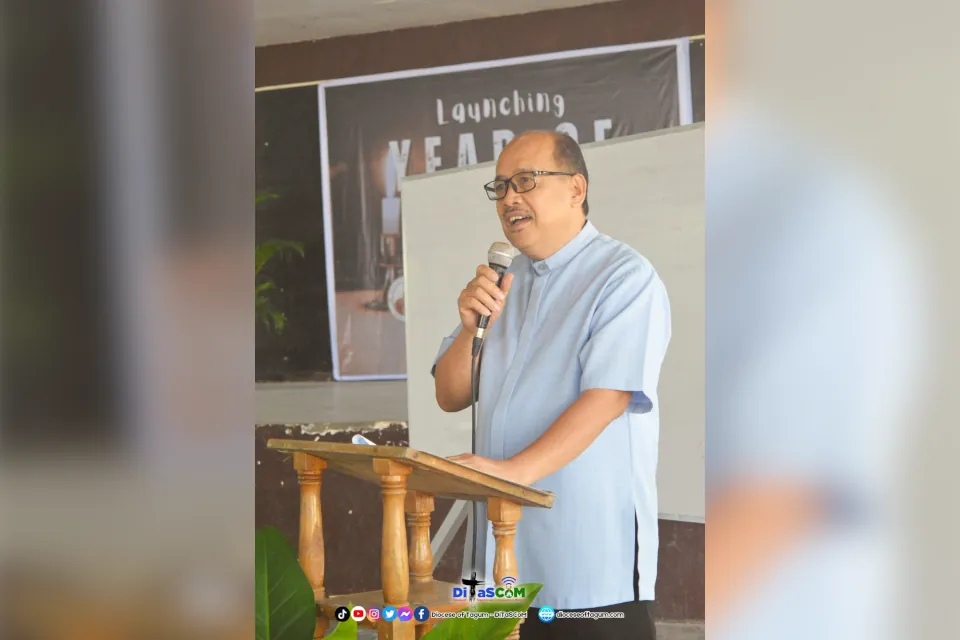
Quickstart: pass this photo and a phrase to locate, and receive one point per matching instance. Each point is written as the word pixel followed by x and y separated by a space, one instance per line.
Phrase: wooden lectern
pixel 409 481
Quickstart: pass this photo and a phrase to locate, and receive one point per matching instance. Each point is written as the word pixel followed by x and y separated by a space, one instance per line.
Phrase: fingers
pixel 490 288
pixel 484 271
pixel 487 278
pixel 486 293
pixel 483 296
pixel 491 302
pixel 470 304
pixel 507 283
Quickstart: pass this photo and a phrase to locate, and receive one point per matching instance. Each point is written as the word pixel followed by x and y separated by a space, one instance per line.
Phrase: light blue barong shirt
pixel 594 315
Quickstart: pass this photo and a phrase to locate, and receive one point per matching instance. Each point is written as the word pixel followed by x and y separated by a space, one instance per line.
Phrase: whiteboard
pixel 645 190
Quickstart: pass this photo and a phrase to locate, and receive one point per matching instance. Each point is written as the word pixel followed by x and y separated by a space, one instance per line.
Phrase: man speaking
pixel 568 378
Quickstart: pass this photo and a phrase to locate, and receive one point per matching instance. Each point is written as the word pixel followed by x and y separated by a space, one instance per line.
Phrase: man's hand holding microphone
pixel 482 296
pixel 479 304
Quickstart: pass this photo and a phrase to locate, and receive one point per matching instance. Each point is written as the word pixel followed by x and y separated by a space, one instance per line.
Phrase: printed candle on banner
pixel 390 205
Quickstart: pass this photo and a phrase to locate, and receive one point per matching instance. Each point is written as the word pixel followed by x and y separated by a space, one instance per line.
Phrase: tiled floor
pixel 665 631
pixel 337 402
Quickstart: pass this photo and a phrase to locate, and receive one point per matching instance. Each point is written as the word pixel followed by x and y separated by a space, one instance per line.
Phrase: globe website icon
pixel 546 614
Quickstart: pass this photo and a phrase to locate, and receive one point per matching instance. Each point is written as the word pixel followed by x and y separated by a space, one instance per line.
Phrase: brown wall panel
pixel 624 22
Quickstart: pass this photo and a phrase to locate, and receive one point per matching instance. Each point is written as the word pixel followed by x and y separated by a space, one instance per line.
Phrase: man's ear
pixel 579 190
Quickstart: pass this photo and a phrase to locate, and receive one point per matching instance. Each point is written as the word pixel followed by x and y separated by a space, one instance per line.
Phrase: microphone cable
pixel 474 399
pixel 499 257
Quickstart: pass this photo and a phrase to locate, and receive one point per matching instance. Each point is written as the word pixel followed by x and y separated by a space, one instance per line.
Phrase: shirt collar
pixel 567 252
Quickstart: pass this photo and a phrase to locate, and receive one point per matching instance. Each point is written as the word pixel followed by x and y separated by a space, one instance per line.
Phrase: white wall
pixel 645 190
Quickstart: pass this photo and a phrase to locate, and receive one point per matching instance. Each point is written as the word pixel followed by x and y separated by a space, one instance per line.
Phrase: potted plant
pixel 266 311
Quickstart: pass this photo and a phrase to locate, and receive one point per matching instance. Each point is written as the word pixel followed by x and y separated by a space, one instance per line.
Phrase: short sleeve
pixel 444 345
pixel 629 334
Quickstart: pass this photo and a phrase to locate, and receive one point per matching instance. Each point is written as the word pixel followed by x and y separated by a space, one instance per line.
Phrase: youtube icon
pixel 359 613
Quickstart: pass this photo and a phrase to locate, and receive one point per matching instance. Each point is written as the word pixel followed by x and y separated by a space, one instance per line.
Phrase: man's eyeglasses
pixel 522 182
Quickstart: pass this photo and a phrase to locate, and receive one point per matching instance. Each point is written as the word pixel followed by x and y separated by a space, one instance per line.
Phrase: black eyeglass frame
pixel 491 192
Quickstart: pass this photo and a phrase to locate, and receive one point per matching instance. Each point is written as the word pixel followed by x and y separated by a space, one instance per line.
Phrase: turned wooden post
pixel 394 565
pixel 424 629
pixel 419 506
pixel 504 515
pixel 309 472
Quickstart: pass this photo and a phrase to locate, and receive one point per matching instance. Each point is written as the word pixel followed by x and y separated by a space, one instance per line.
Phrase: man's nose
pixel 512 197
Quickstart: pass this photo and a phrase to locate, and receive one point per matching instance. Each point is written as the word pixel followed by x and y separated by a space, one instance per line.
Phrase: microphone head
pixel 500 255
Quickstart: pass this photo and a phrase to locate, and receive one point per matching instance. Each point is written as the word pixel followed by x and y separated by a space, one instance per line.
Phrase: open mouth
pixel 518 220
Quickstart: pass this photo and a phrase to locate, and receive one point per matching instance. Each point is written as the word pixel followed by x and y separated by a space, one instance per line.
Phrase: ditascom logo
pixel 505 592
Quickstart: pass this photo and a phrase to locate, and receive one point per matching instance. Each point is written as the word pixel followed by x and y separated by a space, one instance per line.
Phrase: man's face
pixel 534 218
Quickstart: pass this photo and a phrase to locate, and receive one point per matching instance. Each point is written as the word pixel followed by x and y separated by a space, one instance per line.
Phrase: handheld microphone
pixel 499 257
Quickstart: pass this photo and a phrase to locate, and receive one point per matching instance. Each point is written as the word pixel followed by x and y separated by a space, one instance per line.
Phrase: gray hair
pixel 568 155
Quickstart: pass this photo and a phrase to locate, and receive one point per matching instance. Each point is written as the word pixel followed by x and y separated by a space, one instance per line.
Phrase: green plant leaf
pixel 285 605
pixel 266 251
pixel 279 320
pixel 346 630
pixel 264 286
pixel 485 628
pixel 260 198
pixel 272 319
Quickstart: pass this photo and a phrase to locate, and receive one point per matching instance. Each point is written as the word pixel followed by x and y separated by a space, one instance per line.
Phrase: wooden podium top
pixel 430 474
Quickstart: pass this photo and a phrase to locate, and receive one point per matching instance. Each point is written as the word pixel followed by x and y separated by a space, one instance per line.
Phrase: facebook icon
pixel 421 614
